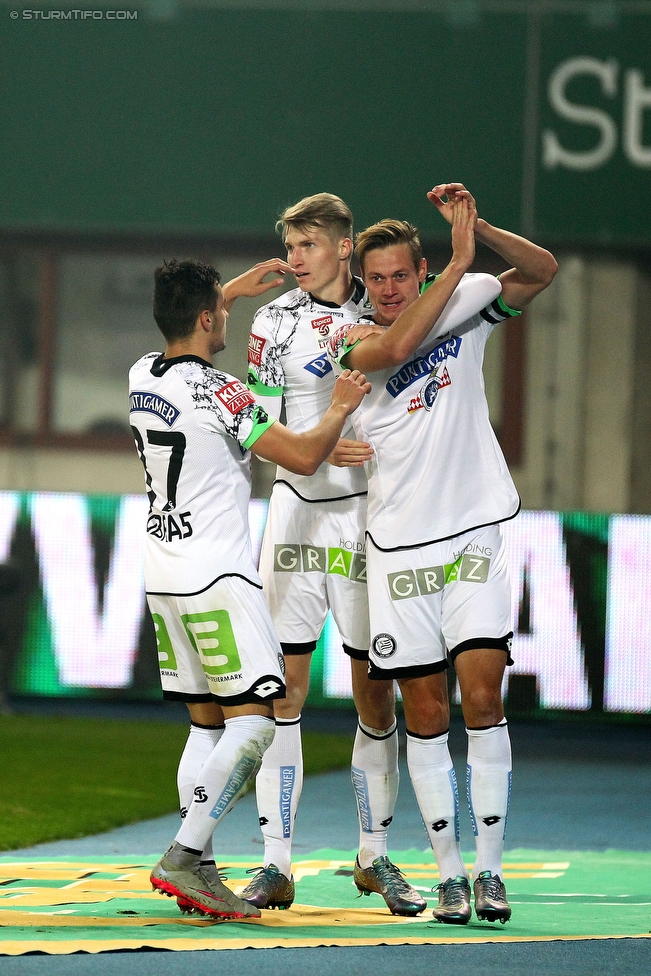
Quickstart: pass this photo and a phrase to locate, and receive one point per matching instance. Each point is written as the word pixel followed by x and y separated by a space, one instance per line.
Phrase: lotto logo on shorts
pixel 289 558
pixel 235 396
pixel 256 345
pixel 432 579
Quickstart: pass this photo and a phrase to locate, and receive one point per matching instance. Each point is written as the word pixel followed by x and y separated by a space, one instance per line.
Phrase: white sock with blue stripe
pixel 435 785
pixel 489 789
pixel 374 772
pixel 278 789
pixel 224 776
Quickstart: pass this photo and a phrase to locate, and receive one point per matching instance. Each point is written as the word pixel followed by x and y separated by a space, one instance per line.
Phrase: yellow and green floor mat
pixel 63 905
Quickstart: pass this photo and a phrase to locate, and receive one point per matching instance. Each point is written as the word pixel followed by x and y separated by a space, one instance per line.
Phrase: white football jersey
pixel 288 359
pixel 437 470
pixel 193 425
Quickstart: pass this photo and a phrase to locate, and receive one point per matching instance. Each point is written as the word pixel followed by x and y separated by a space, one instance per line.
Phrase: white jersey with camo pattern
pixel 193 425
pixel 437 470
pixel 288 359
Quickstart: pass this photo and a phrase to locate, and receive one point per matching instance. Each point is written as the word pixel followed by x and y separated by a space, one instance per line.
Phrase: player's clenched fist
pixel 350 389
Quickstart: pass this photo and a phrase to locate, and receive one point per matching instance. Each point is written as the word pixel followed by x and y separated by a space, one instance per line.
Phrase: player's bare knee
pixel 376 704
pixel 481 706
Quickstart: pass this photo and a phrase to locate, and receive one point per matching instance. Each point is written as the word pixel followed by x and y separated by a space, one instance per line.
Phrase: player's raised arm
pixel 533 268
pixel 399 341
pixel 251 283
pixel 303 453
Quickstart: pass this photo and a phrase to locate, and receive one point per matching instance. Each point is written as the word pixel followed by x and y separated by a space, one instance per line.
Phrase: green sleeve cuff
pixel 259 427
pixel 345 349
pixel 255 386
pixel 505 308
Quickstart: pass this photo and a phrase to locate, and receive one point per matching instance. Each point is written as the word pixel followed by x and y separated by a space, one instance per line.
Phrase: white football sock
pixel 278 789
pixel 489 789
pixel 224 777
pixel 435 785
pixel 374 772
pixel 201 741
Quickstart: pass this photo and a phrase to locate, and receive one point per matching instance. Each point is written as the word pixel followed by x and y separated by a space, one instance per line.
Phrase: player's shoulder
pixel 144 364
pixel 289 301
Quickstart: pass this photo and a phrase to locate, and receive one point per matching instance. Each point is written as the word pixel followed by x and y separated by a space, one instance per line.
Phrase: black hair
pixel 182 290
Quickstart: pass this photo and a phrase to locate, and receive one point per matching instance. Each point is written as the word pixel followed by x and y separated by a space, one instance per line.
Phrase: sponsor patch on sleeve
pixel 256 345
pixel 235 396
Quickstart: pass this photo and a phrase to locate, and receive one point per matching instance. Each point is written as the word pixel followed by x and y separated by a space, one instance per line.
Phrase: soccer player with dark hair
pixel 194 427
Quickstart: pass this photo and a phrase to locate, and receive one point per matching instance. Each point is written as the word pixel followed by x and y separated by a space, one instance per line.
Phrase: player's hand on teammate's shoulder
pixel 350 389
pixel 252 283
pixel 350 454
pixel 359 332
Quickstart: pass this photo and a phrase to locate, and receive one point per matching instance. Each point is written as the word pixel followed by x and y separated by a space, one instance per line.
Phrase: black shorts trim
pixel 318 501
pixel 418 671
pixel 248 697
pixel 294 650
pixel 500 643
pixel 258 586
pixel 357 653
pixel 182 697
pixel 444 538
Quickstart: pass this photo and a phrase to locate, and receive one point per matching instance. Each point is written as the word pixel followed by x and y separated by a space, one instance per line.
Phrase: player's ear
pixel 422 271
pixel 345 248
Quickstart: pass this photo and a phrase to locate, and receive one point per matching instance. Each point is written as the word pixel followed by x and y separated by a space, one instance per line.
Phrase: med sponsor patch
pixel 422 367
pixel 235 396
pixel 322 324
pixel 256 346
pixel 320 366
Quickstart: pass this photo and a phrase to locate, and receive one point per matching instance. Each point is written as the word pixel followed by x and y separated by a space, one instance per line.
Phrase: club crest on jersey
pixel 152 403
pixel 419 368
pixel 256 345
pixel 235 396
pixel 319 367
pixel 322 325
pixel 429 392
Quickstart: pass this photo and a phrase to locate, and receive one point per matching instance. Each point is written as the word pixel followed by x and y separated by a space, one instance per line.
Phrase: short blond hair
pixel 323 210
pixel 385 234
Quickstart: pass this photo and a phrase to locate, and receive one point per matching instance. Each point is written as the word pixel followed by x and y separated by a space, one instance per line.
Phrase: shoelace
pixel 269 873
pixel 493 886
pixel 452 889
pixel 390 874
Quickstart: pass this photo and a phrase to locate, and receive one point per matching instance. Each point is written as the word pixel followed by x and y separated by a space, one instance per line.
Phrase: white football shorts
pixel 429 603
pixel 313 559
pixel 219 644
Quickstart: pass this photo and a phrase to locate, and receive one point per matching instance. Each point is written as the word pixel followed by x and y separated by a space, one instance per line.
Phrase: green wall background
pixel 211 121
